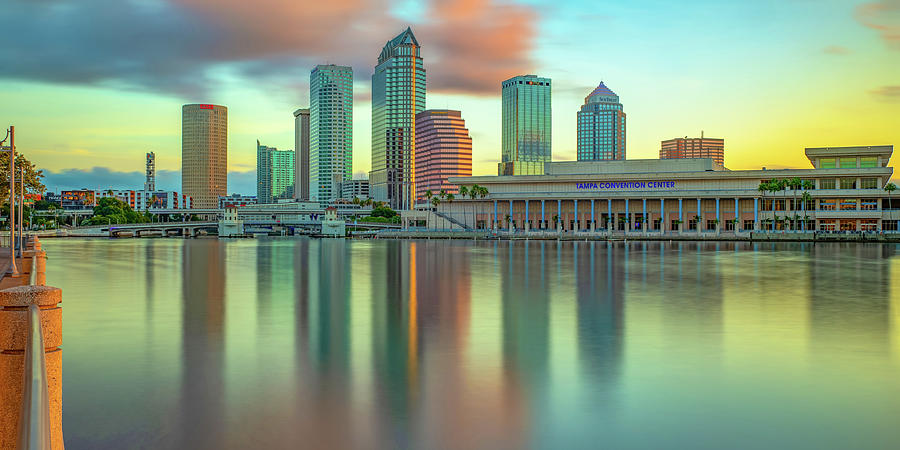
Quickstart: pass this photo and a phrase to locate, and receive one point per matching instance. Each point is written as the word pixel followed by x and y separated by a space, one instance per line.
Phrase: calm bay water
pixel 450 344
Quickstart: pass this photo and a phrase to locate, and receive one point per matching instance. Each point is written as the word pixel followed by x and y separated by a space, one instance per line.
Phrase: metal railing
pixel 34 421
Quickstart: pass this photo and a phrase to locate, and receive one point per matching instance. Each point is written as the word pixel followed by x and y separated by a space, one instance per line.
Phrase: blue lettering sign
pixel 627 185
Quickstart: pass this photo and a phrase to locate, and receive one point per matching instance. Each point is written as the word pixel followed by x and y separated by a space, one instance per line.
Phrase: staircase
pixel 453 221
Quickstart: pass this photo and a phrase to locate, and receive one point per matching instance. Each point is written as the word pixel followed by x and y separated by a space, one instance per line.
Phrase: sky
pixel 92 85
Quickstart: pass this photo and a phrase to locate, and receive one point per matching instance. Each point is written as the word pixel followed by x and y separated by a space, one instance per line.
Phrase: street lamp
pixel 11 148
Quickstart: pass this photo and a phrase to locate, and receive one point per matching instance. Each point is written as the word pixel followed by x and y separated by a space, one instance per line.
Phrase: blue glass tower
pixel 601 126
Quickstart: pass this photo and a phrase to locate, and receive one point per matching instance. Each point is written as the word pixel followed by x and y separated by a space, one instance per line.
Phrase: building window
pixel 868 183
pixel 868 162
pixel 868 204
pixel 748 225
pixel 827 163
pixel 828 204
pixel 827 183
pixel 889 225
pixel 848 183
pixel 848 204
pixel 848 163
pixel 710 225
pixel 827 225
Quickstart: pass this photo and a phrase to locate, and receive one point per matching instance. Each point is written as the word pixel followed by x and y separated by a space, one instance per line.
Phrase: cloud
pixel 884 17
pixel 103 178
pixel 476 44
pixel 836 50
pixel 189 48
pixel 887 93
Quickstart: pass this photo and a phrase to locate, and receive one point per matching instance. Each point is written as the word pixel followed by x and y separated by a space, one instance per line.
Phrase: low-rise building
pixel 236 200
pixel 351 189
pixel 842 191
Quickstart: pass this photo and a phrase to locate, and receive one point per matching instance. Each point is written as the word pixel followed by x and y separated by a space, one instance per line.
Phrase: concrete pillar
pixel 611 224
pixel 644 220
pixel 494 226
pixel 13 335
pixel 755 214
pixel 559 215
pixel 509 225
pixel 699 216
pixel 593 220
pixel 737 214
pixel 576 227
pixel 542 215
pixel 627 217
pixel 526 217
pixel 662 215
pixel 718 216
pixel 680 215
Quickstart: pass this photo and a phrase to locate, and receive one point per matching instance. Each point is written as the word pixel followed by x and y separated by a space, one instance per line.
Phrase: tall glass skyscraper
pixel 330 131
pixel 398 94
pixel 301 154
pixel 274 174
pixel 204 153
pixel 526 125
pixel 601 126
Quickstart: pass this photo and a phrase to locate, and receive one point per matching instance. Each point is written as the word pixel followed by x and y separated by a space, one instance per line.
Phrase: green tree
pixel 33 176
pixel 890 188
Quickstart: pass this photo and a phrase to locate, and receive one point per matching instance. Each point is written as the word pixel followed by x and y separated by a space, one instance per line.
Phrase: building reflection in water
pixel 599 293
pixel 202 407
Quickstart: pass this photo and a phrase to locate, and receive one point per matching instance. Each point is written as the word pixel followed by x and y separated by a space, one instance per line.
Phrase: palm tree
pixel 763 188
pixel 795 184
pixel 473 192
pixel 463 192
pixel 429 194
pixel 435 201
pixel 890 188
pixel 449 197
pixel 805 198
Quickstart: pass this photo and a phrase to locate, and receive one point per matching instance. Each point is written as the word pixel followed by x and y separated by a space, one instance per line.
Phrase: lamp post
pixel 11 135
pixel 21 206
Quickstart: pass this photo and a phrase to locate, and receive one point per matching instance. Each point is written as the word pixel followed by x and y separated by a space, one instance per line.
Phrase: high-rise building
pixel 601 126
pixel 204 153
pixel 330 131
pixel 525 138
pixel 150 181
pixel 701 147
pixel 443 150
pixel 398 94
pixel 351 189
pixel 301 154
pixel 274 174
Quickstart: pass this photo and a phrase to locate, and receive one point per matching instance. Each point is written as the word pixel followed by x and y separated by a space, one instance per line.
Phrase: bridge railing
pixel 30 359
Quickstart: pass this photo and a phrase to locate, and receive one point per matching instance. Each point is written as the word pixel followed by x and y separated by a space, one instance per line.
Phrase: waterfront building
pixel 150 172
pixel 526 125
pixel 274 173
pixel 351 189
pixel 204 153
pixel 398 94
pixel 842 191
pixel 236 200
pixel 443 150
pixel 86 199
pixel 601 126
pixel 330 131
pixel 701 147
pixel 301 154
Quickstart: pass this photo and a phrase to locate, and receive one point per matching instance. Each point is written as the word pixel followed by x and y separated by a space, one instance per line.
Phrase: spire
pixel 600 90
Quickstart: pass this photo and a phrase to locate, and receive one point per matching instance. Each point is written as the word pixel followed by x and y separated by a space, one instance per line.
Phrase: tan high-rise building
pixel 701 147
pixel 204 153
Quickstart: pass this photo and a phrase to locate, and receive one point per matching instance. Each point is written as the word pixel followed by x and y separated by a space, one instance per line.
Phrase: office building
pixel 398 94
pixel 601 127
pixel 701 147
pixel 301 154
pixel 330 131
pixel 526 124
pixel 150 172
pixel 443 150
pixel 204 153
pixel 84 199
pixel 681 196
pixel 236 200
pixel 274 174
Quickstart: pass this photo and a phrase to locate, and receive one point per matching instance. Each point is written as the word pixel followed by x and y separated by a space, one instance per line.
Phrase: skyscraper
pixel 443 150
pixel 398 94
pixel 701 147
pixel 330 131
pixel 526 126
pixel 601 126
pixel 274 174
pixel 301 154
pixel 204 153
pixel 150 180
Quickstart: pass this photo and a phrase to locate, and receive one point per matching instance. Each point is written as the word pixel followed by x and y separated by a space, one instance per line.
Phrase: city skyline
pixel 654 74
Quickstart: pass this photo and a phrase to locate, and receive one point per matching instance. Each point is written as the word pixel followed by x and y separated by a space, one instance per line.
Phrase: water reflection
pixel 407 344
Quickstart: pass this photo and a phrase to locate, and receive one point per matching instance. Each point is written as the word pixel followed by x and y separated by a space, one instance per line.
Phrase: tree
pixel 890 188
pixel 112 210
pixel 429 194
pixel 33 184
pixel 763 188
pixel 435 201
pixel 805 198
pixel 473 192
pixel 382 211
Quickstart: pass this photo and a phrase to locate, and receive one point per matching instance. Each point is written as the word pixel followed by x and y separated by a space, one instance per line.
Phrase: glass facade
pixel 330 131
pixel 204 153
pixel 274 174
pixel 601 126
pixel 443 150
pixel 398 94
pixel 526 123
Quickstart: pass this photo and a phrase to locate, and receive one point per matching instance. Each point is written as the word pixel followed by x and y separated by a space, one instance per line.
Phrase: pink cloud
pixel 884 17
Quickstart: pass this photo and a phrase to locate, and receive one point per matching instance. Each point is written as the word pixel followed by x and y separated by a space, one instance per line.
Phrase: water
pixel 455 344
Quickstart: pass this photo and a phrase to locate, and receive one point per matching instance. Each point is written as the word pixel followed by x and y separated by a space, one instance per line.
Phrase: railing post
pixel 14 330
